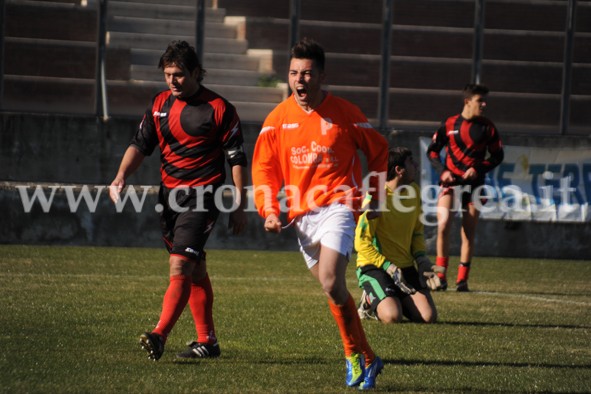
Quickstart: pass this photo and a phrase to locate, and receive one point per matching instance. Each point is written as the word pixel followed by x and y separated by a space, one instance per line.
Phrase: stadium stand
pixel 432 53
pixel 52 139
pixel 50 56
pixel 49 62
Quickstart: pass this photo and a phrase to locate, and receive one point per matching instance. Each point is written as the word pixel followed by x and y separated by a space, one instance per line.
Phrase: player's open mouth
pixel 301 92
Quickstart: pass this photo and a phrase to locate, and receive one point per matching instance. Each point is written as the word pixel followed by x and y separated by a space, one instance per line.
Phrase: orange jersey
pixel 314 156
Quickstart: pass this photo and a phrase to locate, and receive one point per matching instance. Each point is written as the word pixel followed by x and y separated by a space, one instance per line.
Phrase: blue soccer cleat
pixel 355 369
pixel 371 373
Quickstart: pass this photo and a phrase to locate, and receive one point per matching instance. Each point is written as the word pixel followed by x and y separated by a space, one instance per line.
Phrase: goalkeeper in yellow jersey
pixel 392 267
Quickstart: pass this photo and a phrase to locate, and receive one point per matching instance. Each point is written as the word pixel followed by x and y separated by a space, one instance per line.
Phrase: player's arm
pixel 232 140
pixel 496 153
pixel 375 148
pixel 367 252
pixel 130 162
pixel 142 144
pixel 267 179
pixel 238 218
pixel 438 142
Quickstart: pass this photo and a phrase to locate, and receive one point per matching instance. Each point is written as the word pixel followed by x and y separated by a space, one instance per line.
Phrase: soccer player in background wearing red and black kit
pixel 197 131
pixel 466 137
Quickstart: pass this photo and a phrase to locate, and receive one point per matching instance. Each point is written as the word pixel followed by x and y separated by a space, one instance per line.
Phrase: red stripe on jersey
pixel 171 182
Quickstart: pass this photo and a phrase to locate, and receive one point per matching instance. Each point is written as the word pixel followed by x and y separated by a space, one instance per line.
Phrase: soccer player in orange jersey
pixel 308 145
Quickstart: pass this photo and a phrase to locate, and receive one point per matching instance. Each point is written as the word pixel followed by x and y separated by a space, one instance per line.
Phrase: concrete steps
pixel 76 96
pixel 252 106
pixel 140 9
pixel 216 76
pixel 150 41
pixel 167 27
pixel 188 3
pixel 51 46
pixel 150 57
pixel 232 69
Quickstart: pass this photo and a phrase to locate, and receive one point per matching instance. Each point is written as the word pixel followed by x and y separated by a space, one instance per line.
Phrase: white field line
pixel 299 280
pixel 532 297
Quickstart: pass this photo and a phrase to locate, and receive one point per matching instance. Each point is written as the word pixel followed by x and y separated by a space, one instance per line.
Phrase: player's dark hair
pixel 473 89
pixel 308 49
pixel 396 157
pixel 183 55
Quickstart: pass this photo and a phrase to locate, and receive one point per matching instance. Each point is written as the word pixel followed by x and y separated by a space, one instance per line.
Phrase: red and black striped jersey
pixel 466 142
pixel 195 135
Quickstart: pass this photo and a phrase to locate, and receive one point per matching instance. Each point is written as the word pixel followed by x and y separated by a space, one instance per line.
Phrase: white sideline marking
pixel 531 297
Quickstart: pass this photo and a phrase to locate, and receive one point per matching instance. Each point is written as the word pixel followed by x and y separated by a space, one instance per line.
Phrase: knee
pixel 338 294
pixel 200 271
pixel 180 265
pixel 390 318
pixel 443 226
pixel 427 317
pixel 389 312
pixel 335 295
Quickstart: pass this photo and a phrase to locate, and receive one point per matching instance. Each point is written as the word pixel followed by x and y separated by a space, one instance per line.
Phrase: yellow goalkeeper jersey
pixel 396 235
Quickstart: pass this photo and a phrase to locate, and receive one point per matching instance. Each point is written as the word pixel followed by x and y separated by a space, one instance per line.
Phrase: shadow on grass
pixel 230 358
pixel 524 325
pixel 449 363
pixel 405 362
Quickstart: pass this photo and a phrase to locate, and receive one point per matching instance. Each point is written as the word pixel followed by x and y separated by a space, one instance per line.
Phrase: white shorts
pixel 332 226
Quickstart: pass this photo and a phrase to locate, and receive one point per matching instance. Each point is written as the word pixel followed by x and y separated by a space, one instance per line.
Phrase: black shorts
pixel 467 196
pixel 186 220
pixel 378 284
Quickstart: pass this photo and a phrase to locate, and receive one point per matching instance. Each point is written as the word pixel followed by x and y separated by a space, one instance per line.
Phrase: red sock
pixel 175 300
pixel 351 330
pixel 463 271
pixel 442 262
pixel 201 304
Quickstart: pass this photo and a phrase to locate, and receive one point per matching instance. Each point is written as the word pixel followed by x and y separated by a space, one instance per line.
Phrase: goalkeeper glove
pixel 428 273
pixel 396 274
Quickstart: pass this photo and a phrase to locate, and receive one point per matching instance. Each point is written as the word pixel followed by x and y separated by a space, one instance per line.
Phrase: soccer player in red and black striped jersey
pixel 473 148
pixel 197 132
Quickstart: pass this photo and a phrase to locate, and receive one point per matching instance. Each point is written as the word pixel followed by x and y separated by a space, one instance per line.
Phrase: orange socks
pixel 201 304
pixel 175 300
pixel 351 330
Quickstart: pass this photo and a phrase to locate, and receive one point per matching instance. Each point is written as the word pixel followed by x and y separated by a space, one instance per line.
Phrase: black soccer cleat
pixel 153 344
pixel 462 286
pixel 200 350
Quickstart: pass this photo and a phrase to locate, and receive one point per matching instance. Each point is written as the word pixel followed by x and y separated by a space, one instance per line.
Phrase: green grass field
pixel 71 318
